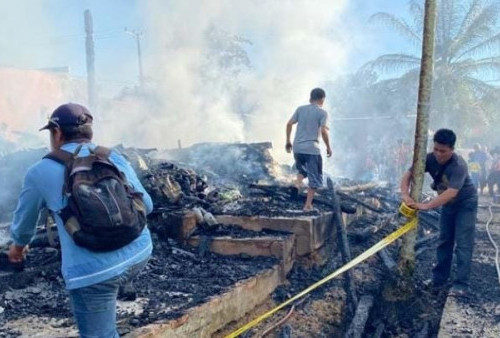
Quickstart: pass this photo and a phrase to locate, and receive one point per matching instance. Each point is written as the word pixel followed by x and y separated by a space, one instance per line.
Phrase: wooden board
pixel 203 320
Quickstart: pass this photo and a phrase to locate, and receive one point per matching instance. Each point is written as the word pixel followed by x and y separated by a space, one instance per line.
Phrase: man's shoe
pixel 432 284
pixel 458 291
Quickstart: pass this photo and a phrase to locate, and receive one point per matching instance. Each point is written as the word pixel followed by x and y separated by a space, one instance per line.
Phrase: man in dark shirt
pixel 458 198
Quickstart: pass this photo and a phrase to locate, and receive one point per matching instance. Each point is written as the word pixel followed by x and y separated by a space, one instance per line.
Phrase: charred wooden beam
pixel 387 259
pixel 429 218
pixel 358 323
pixel 363 234
pixel 350 287
pixel 358 201
pixel 291 193
pixel 424 332
pixel 379 331
pixel 426 240
pixel 359 187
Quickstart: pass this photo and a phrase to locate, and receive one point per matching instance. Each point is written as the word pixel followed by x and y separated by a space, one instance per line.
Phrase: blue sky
pixel 50 33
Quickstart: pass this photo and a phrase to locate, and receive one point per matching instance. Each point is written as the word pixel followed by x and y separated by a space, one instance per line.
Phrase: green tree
pixel 467 61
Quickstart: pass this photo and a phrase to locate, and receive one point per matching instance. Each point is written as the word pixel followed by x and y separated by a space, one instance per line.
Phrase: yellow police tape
pixel 371 251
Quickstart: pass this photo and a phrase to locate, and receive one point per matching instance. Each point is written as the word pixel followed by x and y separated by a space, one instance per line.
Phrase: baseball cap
pixel 69 114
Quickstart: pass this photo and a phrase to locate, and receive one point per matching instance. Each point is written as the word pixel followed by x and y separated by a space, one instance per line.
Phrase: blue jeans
pixel 457 228
pixel 94 306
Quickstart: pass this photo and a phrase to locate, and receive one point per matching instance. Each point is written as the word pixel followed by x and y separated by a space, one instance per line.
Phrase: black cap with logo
pixel 69 114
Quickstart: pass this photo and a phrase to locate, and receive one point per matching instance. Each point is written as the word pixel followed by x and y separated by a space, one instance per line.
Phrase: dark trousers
pixel 494 179
pixel 457 228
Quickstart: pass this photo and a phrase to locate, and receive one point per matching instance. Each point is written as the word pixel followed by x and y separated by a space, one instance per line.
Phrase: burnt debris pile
pixel 225 163
pixel 175 279
pixel 208 180
pixel 234 231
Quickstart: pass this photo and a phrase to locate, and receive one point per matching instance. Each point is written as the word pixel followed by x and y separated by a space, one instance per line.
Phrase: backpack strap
pixel 60 156
pixel 66 159
pixel 102 152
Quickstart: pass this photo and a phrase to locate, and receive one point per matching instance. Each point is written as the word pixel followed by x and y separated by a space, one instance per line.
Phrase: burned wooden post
pixel 338 222
pixel 358 323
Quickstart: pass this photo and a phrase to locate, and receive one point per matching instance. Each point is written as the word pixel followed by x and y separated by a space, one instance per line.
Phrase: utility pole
pixel 406 263
pixel 137 36
pixel 89 51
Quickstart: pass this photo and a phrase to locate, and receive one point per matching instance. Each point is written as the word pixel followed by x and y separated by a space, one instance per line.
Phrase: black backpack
pixel 104 213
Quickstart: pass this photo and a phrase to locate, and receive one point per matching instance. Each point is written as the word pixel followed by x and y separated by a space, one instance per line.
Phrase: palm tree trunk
pixel 407 254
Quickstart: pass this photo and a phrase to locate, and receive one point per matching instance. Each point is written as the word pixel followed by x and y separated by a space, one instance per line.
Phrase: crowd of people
pixel 484 168
pixel 389 164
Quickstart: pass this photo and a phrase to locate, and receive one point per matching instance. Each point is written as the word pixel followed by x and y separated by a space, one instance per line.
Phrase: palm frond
pixel 488 45
pixel 394 63
pixel 399 25
pixel 479 86
pixel 480 28
pixel 417 12
pixel 482 67
pixel 472 12
pixel 402 83
pixel 449 19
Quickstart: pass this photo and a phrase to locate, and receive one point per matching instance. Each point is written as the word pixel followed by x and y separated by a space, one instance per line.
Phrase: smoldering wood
pixel 430 218
pixel 363 234
pixel 178 251
pixel 421 250
pixel 237 162
pixel 357 327
pixel 358 201
pixel 379 331
pixel 427 240
pixel 287 192
pixel 343 242
pixel 358 187
pixel 424 332
pixel 386 258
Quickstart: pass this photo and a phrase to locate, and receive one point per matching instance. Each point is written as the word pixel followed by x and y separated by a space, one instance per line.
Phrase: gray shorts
pixel 310 166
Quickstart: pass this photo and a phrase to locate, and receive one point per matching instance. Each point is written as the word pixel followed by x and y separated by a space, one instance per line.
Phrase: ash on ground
pixel 176 278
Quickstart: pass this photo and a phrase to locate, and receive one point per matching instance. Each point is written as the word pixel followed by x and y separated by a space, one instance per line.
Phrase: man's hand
pixel 421 206
pixel 408 200
pixel 288 147
pixel 17 253
pixel 328 152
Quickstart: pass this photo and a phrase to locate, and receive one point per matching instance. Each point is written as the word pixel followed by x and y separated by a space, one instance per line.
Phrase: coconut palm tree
pixel 467 60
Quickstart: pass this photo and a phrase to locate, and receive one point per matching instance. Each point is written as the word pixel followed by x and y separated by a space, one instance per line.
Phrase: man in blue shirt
pixel 92 278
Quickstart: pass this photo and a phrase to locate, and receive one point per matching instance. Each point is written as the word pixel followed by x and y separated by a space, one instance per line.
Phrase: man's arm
pixel 405 188
pixel 326 139
pixel 23 225
pixel 289 126
pixel 440 200
pixel 457 179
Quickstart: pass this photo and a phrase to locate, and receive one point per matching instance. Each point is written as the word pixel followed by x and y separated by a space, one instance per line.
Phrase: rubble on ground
pixel 179 277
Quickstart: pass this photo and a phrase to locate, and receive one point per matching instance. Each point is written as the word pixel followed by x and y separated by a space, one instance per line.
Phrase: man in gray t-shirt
pixel 458 199
pixel 312 121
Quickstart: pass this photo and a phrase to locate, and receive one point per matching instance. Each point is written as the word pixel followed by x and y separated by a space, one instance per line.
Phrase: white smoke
pixel 291 50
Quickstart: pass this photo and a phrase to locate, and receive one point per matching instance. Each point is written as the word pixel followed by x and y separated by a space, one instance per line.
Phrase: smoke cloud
pixel 229 70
